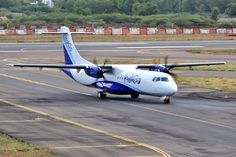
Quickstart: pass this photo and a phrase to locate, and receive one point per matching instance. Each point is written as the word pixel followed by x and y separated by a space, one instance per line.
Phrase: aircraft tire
pixel 165 100
pixel 135 96
pixel 101 95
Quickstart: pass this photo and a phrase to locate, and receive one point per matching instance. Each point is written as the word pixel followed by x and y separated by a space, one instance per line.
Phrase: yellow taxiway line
pixel 153 148
pixel 62 119
pixel 41 84
pixel 133 105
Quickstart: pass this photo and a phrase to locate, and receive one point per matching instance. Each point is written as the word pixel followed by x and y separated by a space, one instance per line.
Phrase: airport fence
pixel 30 30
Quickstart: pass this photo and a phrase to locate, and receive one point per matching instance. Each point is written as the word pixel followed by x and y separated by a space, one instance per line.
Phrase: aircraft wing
pixel 172 66
pixel 57 66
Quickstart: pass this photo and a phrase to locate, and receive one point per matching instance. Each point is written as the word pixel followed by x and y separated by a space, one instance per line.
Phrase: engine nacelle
pixel 94 72
pixel 159 68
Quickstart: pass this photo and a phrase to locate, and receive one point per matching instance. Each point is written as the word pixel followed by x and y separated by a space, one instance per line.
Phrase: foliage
pixel 231 10
pixel 215 13
pixel 181 13
pixel 144 8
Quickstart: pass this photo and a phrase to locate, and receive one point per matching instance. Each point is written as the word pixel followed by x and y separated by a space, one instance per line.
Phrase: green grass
pixel 114 38
pixel 226 67
pixel 217 52
pixel 223 84
pixel 10 147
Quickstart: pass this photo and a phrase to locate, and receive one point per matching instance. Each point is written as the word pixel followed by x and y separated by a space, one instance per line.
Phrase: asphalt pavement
pixel 49 109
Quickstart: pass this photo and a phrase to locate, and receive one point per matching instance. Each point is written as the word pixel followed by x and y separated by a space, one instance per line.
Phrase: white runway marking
pixel 160 47
pixel 22 50
pixel 24 121
pixel 98 146
pixel 182 116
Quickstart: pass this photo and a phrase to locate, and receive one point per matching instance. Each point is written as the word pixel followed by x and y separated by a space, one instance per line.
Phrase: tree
pixel 6 3
pixel 190 6
pixel 125 6
pixel 231 10
pixel 144 9
pixel 215 13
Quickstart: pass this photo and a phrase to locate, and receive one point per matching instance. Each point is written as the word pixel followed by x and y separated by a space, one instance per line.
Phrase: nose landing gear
pixel 165 99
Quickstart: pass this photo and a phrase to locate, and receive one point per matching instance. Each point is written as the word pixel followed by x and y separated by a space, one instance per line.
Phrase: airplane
pixel 131 79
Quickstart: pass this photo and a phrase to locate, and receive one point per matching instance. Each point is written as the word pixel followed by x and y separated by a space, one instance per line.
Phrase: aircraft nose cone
pixel 173 89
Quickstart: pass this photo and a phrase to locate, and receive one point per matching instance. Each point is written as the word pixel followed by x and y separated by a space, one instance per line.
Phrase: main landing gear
pixel 165 99
pixel 101 95
pixel 134 95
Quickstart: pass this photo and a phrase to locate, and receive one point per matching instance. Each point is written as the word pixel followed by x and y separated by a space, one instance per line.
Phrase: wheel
pixel 101 95
pixel 165 100
pixel 134 95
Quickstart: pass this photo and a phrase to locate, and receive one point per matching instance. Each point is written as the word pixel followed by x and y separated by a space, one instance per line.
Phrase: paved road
pixel 48 109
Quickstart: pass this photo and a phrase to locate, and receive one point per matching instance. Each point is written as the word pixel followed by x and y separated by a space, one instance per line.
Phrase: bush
pixel 116 19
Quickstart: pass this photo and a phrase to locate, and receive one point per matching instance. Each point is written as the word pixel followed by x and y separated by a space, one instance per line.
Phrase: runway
pixel 48 109
pixel 126 50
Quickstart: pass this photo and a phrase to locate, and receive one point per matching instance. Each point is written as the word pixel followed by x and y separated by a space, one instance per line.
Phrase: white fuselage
pixel 126 78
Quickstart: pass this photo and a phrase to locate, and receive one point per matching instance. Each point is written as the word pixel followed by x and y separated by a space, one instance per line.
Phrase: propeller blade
pixel 95 61
pixel 166 60
pixel 156 61
pixel 107 60
pixel 173 74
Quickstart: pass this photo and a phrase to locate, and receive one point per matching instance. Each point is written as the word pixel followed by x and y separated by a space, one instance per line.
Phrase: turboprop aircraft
pixel 134 80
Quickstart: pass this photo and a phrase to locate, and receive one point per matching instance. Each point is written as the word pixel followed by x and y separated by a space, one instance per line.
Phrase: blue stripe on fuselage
pixel 67 57
pixel 116 88
pixel 67 61
pixel 67 72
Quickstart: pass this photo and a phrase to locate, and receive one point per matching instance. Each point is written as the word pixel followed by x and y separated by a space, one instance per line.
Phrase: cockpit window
pixel 158 79
pixel 164 79
pixel 154 79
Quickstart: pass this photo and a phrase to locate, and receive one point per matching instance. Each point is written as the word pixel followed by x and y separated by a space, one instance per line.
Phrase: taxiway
pixel 49 109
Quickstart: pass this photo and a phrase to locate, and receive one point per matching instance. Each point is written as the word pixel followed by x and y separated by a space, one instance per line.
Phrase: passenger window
pixel 154 79
pixel 164 79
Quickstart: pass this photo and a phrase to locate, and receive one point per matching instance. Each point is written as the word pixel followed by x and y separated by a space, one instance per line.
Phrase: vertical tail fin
pixel 71 54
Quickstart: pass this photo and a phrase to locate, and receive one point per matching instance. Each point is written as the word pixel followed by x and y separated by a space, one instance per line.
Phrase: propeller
pixel 164 67
pixel 100 71
pixel 106 60
pixel 95 61
pixel 166 70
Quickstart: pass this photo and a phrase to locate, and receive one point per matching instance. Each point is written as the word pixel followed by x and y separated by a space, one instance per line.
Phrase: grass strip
pixel 223 84
pixel 10 147
pixel 227 67
pixel 216 52
pixel 115 38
